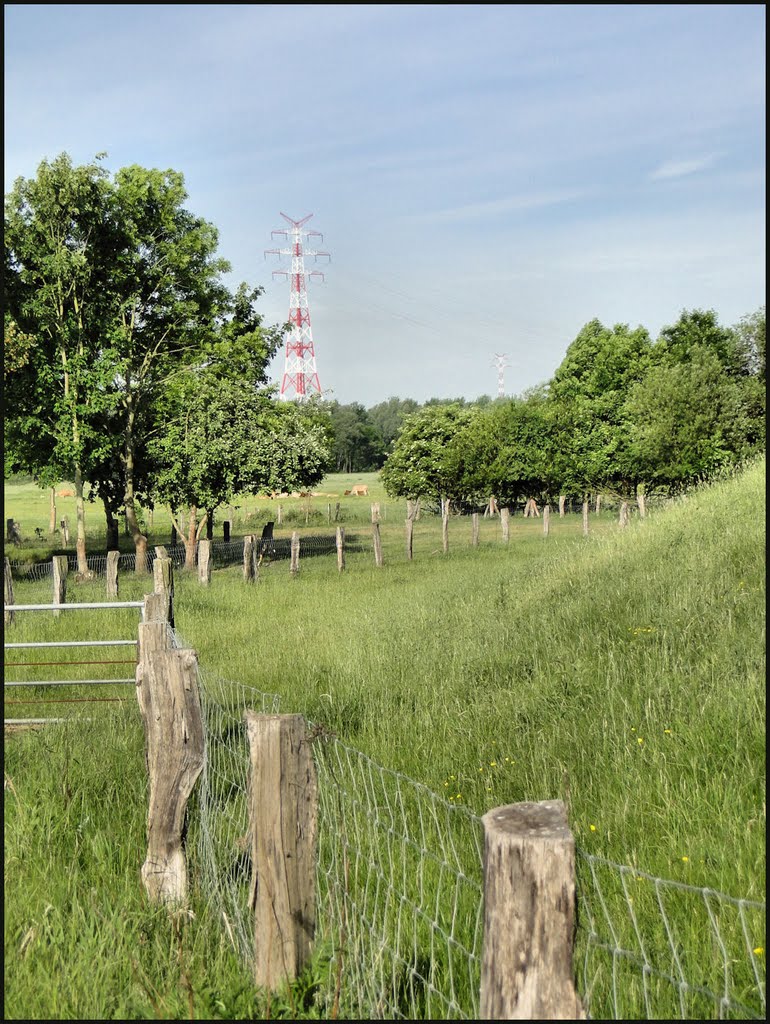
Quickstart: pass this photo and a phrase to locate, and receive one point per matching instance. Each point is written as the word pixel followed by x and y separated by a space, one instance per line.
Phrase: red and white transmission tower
pixel 300 375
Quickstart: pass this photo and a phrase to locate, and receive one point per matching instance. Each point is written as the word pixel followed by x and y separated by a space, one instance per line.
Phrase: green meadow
pixel 622 672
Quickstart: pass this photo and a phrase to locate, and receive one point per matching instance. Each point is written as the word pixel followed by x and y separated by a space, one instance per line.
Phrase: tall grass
pixel 623 673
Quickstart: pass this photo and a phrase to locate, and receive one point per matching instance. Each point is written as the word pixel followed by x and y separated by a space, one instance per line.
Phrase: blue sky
pixel 487 178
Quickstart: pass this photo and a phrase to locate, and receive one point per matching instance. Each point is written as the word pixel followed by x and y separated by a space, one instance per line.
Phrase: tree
pixel 358 446
pixel 59 241
pixel 388 418
pixel 420 464
pixel 687 421
pixel 586 399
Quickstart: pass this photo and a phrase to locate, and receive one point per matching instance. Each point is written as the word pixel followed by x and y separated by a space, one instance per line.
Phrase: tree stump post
pixel 598 506
pixel 641 506
pixel 529 913
pixel 340 541
pixel 167 686
pixel 623 519
pixel 204 562
pixel 294 567
pixel 65 529
pixel 337 512
pixel 113 559
pixel 8 617
pixel 377 544
pixel 561 506
pixel 585 518
pixel 445 525
pixel 283 809
pixel 279 517
pixel 60 569
pixel 250 569
pixel 163 578
pixel 546 520
pixel 505 516
pixel 475 530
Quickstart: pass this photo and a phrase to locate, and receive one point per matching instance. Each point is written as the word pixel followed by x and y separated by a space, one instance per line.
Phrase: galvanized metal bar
pixel 74 643
pixel 70 607
pixel 71 682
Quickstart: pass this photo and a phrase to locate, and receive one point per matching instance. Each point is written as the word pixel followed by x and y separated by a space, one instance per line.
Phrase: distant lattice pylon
pixel 300 376
pixel 500 361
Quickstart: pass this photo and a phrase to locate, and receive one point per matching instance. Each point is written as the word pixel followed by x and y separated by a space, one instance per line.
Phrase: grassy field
pixel 623 673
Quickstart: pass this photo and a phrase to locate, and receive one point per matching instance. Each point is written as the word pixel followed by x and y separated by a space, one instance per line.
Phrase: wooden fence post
pixel 337 512
pixel 163 577
pixel 283 811
pixel 623 520
pixel 529 913
pixel 60 569
pixel 642 506
pixel 167 687
pixel 113 558
pixel 250 569
pixel 475 530
pixel 561 506
pixel 505 515
pixel 409 538
pixel 65 528
pixel 598 506
pixel 8 617
pixel 52 513
pixel 9 529
pixel 279 517
pixel 377 544
pixel 204 562
pixel 155 608
pixel 226 530
pixel 294 568
pixel 546 519
pixel 445 525
pixel 340 548
pixel 585 518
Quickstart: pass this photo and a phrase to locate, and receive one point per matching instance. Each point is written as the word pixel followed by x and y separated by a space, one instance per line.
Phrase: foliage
pixel 420 464
pixel 358 445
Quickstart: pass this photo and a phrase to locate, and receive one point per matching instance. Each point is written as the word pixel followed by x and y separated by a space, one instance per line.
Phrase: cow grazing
pixel 360 490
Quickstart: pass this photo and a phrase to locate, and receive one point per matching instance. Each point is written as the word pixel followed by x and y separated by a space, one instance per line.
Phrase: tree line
pixel 133 370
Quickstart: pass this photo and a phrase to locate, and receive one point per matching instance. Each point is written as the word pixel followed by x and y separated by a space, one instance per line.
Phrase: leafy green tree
pixel 687 420
pixel 421 464
pixel 60 239
pixel 586 399
pixel 358 446
pixel 388 418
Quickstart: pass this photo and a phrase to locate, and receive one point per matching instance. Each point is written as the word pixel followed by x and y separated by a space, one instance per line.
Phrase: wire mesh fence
pixel 399 892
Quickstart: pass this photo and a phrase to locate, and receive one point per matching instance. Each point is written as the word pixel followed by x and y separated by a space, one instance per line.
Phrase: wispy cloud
pixel 498 207
pixel 681 168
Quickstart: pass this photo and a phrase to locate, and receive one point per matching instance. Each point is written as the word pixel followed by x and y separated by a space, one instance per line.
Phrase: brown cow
pixel 65 493
pixel 361 490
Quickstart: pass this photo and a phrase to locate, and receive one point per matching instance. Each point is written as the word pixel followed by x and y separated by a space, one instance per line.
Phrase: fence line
pixel 399 886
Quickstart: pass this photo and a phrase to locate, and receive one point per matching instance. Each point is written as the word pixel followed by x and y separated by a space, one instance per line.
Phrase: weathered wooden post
pixel 475 530
pixel 377 544
pixel 294 568
pixel 585 518
pixel 60 568
pixel 598 505
pixel 167 690
pixel 250 568
pixel 546 520
pixel 623 520
pixel 329 512
pixel 283 810
pixel 8 617
pixel 561 506
pixel 445 525
pixel 340 548
pixel 337 512
pixel 505 515
pixel 113 558
pixel 65 529
pixel 163 579
pixel 529 913
pixel 9 529
pixel 204 562
pixel 641 505
pixel 279 517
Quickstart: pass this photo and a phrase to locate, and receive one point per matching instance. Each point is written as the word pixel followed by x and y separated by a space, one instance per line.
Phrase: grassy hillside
pixel 623 673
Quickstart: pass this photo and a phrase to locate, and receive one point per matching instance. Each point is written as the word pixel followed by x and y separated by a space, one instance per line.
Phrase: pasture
pixel 623 673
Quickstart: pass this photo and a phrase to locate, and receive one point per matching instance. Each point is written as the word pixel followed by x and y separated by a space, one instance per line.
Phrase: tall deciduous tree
pixel 59 241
